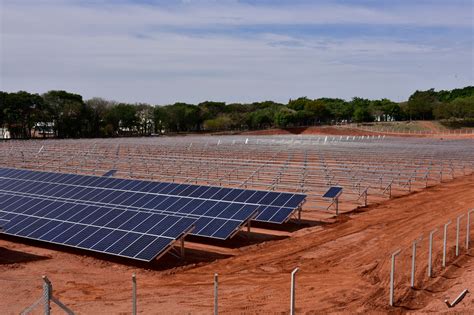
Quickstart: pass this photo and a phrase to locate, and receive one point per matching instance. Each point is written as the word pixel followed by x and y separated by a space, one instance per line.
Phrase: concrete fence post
pixel 458 223
pixel 445 241
pixel 292 292
pixel 47 288
pixel 430 253
pixel 392 276
pixel 134 294
pixel 216 292
pixel 413 261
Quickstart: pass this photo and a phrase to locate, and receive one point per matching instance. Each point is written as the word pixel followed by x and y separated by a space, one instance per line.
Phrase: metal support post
pixel 216 289
pixel 458 222
pixel 413 261
pixel 445 241
pixel 292 292
pixel 430 252
pixel 134 294
pixel 392 275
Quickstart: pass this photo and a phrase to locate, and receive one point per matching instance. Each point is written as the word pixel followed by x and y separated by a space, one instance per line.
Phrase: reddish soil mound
pixel 344 267
pixel 327 130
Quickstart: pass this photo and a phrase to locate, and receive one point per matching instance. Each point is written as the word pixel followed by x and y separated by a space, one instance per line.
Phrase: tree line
pixel 63 114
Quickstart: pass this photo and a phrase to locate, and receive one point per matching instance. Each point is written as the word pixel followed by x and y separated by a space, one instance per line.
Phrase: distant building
pixel 43 129
pixel 4 133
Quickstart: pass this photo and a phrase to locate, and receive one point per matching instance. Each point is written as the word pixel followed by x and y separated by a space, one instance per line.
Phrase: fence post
pixel 292 292
pixel 444 241
pixel 413 262
pixel 430 252
pixel 47 288
pixel 458 221
pixel 392 275
pixel 134 294
pixel 216 289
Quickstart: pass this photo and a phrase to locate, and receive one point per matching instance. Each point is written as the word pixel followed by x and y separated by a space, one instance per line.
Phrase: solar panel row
pixel 207 213
pixel 129 218
pixel 131 234
pixel 274 207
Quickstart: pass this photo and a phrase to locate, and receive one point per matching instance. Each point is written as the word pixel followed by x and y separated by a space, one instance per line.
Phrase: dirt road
pixel 344 267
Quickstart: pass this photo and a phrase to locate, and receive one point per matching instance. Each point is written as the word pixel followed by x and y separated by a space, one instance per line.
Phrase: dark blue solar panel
pixel 234 193
pixel 110 173
pixel 136 247
pixel 333 192
pixel 157 246
pixel 257 197
pixel 229 227
pixel 123 243
pixel 107 241
pixel 82 235
pixel 274 214
pixel 145 226
pixel 120 219
pixel 61 227
pixel 212 227
pixel 94 238
pixel 43 230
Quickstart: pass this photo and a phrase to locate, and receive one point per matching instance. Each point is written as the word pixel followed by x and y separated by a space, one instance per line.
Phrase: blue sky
pixel 160 52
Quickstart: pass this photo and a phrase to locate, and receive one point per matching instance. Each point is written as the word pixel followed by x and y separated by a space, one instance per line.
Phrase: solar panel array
pixel 274 207
pixel 130 218
pixel 131 234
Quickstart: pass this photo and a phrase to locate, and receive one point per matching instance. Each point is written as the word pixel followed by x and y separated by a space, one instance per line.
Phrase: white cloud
pixel 133 53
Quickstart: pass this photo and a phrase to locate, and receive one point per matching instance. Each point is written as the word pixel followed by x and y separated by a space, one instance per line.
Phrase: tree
pixel 299 103
pixel 461 107
pixel 160 118
pixel 145 116
pixel 97 109
pixel 261 119
pixel 318 110
pixel 123 119
pixel 222 122
pixel 284 117
pixel 338 108
pixel 20 112
pixel 362 114
pixel 67 112
pixel 421 103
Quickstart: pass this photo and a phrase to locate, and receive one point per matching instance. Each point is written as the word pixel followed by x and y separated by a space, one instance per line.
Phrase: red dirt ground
pixel 344 267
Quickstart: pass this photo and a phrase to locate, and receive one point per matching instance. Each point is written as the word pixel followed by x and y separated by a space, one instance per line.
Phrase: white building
pixel 4 133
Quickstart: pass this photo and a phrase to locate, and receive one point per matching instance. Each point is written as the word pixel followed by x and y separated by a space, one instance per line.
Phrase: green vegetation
pixel 66 115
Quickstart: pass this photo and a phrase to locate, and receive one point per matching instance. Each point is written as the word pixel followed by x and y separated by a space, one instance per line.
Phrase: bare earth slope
pixel 344 267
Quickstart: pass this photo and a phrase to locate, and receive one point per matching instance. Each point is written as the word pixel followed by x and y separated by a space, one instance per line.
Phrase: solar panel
pixel 126 233
pixel 3 223
pixel 275 207
pixel 231 216
pixel 110 173
pixel 333 192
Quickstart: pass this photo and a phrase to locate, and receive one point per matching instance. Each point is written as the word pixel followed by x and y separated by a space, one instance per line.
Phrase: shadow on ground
pixel 9 256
